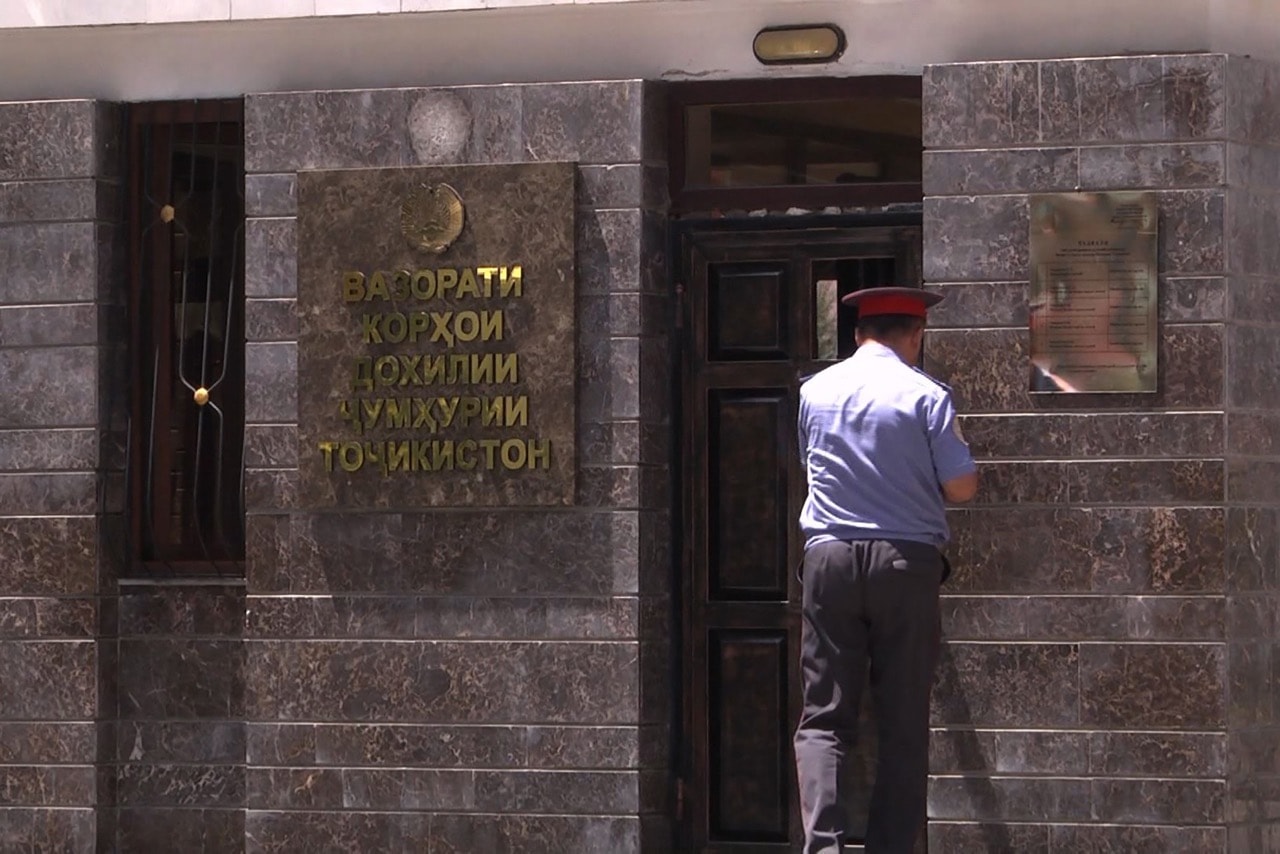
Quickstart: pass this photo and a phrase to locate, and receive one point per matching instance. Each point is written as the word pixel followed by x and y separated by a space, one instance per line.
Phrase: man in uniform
pixel 882 451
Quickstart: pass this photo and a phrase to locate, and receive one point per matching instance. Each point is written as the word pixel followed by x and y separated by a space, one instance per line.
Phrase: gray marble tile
pixel 211 831
pixel 596 122
pixel 976 238
pixel 1009 799
pixel 271 382
pixel 58 679
pixel 326 130
pixel 532 834
pixel 271 195
pixel 1153 685
pixel 271 446
pixel 40 743
pixel 205 610
pixel 48 263
pixel 271 320
pixel 156 743
pixel 1177 166
pixel 561 792
pixel 1121 99
pixel 354 832
pixel 271 263
pixel 991 172
pixel 48 556
pixel 38 450
pixel 1008 684
pixel 181 678
pixel 1137 839
pixel 49 326
pixel 181 785
pixel 68 200
pixel 964 837
pixel 47 139
pixel 586 682
pixel 1195 96
pixel 1158 754
pixel 609 251
pixel 69 494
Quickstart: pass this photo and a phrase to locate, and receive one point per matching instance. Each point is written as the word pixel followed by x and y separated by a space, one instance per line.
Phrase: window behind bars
pixel 186 429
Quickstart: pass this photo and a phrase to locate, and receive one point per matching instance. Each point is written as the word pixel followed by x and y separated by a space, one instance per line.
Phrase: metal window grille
pixel 185 471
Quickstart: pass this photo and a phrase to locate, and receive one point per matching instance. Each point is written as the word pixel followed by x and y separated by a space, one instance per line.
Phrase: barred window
pixel 186 431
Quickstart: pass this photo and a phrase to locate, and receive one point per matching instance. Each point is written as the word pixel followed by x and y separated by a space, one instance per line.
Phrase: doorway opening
pixel 759 292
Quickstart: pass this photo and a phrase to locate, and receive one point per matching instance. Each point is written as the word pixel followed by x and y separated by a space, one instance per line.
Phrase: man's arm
pixel 960 489
pixel 957 472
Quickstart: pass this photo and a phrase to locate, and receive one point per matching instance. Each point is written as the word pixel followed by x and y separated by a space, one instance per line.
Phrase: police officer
pixel 881 450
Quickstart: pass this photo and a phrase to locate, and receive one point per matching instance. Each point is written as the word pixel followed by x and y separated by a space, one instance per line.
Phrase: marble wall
pixel 472 679
pixel 58 189
pixel 1108 681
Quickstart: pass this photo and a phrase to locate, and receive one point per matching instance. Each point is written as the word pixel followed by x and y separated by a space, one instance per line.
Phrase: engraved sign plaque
pixel 436 354
pixel 1094 293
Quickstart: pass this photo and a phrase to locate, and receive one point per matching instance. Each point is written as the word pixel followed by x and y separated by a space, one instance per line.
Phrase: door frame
pixel 682 723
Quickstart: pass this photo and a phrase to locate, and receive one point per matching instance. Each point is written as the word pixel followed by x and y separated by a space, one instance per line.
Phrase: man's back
pixel 877 437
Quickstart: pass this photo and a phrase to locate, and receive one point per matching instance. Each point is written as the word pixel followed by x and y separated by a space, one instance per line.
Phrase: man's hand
pixel 960 489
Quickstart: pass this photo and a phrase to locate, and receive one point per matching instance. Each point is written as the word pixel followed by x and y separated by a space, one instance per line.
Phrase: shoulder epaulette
pixel 939 383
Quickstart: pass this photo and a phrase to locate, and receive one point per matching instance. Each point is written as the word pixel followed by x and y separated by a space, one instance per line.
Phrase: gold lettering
pixel 326 448
pixel 442 332
pixel 386 370
pixel 518 411
pixel 395 327
pixel 486 275
pixel 400 285
pixel 446 280
pixel 372 411
pixel 481 368
pixel 448 409
pixel 409 370
pixel 467 284
pixel 370 323
pixel 469 410
pixel 514 454
pixel 490 448
pixel 378 287
pixel 459 369
pixel 418 322
pixel 350 456
pixel 353 286
pixel 363 379
pixel 495 412
pixel 491 325
pixel 423 284
pixel 444 455
pixel 397 412
pixel 505 371
pixel 432 370
pixel 512 281
pixel 397 456
pixel 466 325
pixel 421 459
pixel 540 453
pixel 466 454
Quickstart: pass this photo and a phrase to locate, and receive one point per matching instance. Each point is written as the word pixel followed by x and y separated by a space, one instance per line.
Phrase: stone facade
pixel 1108 681
pixel 470 679
pixel 497 679
pixel 57 190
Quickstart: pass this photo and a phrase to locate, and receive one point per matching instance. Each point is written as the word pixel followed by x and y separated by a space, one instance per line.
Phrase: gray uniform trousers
pixel 867 603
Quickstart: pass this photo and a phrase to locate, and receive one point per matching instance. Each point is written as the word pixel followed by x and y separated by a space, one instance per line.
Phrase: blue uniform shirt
pixel 877 438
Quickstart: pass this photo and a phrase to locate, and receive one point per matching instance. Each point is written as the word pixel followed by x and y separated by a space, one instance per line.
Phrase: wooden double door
pixel 760 310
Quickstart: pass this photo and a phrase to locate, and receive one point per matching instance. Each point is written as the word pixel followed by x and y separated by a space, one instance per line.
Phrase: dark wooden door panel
pixel 750 753
pixel 748 312
pixel 762 311
pixel 748 485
